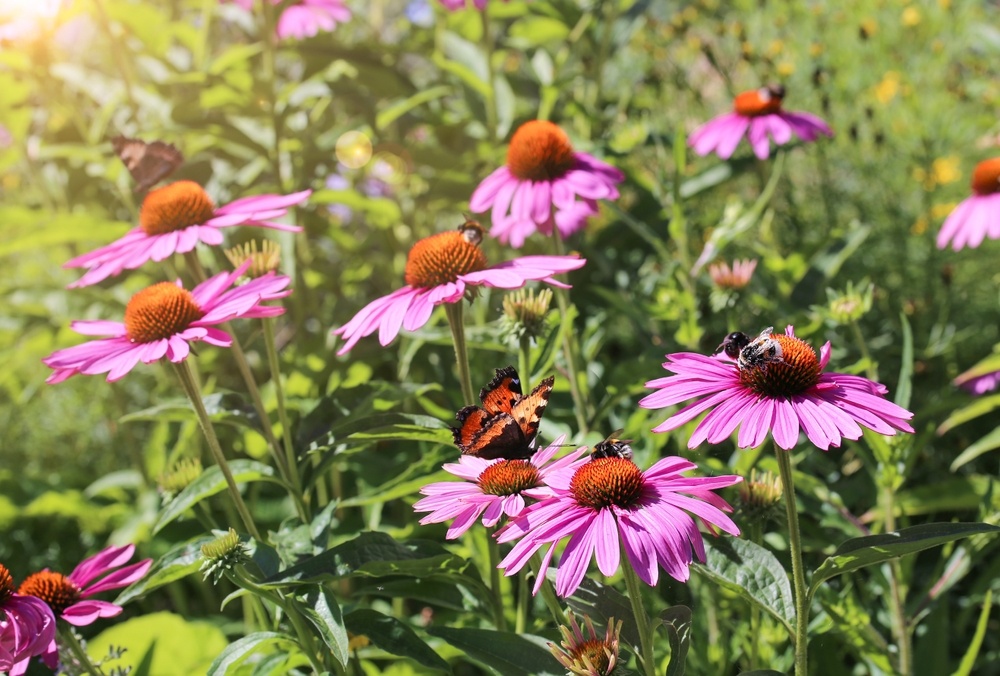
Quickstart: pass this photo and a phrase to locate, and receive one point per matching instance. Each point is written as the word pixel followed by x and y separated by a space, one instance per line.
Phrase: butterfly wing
pixel 503 392
pixel 527 411
pixel 149 163
pixel 489 435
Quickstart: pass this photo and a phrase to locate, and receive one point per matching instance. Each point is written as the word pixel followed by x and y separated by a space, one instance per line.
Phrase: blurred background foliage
pixel 391 119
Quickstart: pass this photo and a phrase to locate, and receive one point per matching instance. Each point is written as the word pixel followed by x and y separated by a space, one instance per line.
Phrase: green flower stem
pixel 570 348
pixel 493 547
pixel 901 626
pixel 859 338
pixel 634 590
pixel 798 570
pixel 491 99
pixel 69 639
pixel 194 394
pixel 291 609
pixel 279 393
pixel 454 311
pixel 288 471
pixel 548 593
pixel 524 359
pixel 523 603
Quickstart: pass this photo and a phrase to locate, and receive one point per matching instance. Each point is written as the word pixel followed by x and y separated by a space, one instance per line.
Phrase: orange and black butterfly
pixel 508 421
pixel 149 163
pixel 612 447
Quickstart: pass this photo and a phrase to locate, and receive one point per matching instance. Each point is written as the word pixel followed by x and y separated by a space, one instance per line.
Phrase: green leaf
pixel 209 483
pixel 677 621
pixel 532 31
pixel 324 613
pixel 388 115
pixel 980 406
pixel 602 603
pixel 752 572
pixel 500 652
pixel 179 646
pixel 373 554
pixel 988 443
pixel 866 551
pixel 439 592
pixel 227 408
pixel 394 637
pixel 236 651
pixel 179 562
pixel 969 659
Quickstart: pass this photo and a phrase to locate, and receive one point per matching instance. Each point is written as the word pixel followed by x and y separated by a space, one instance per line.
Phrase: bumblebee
pixel 752 353
pixel 612 447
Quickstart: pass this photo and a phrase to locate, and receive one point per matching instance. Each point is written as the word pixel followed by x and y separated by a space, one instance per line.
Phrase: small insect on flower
pixel 752 354
pixel 612 447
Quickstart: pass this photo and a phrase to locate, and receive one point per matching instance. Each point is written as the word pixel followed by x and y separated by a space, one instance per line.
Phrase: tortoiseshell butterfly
pixel 508 421
pixel 149 163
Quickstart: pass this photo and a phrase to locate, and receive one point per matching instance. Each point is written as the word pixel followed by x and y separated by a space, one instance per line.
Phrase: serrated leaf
pixel 867 551
pixel 324 613
pixel 210 483
pixel 753 572
pixel 238 650
pixel 179 562
pixel 500 652
pixel 394 637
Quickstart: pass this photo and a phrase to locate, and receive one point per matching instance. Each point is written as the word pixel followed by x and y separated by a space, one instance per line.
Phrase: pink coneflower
pixel 27 625
pixel 775 397
pixel 735 278
pixel 162 320
pixel 68 596
pixel 490 488
pixel 439 269
pixel 306 18
pixel 756 114
pixel 174 219
pixel 976 381
pixel 609 504
pixel 978 216
pixel 543 174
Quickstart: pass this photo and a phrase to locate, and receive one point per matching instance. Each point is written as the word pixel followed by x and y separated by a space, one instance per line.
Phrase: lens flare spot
pixel 354 149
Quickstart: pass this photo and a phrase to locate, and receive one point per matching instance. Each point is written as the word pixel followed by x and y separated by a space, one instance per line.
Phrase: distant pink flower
pixel 306 18
pixel 981 378
pixel 174 219
pixel 161 321
pixel 490 488
pixel 777 397
pixel 27 626
pixel 68 596
pixel 756 115
pixel 542 174
pixel 735 278
pixel 978 216
pixel 440 269
pixel 979 384
pixel 609 504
